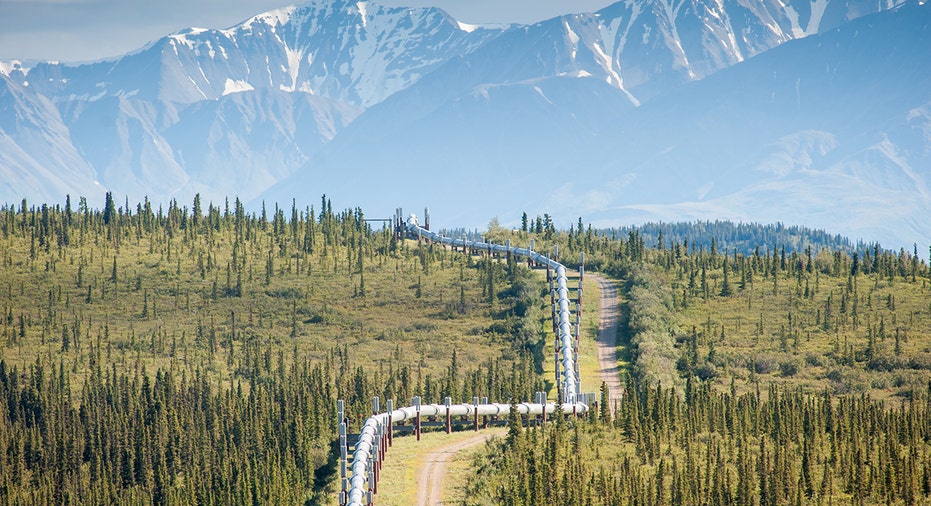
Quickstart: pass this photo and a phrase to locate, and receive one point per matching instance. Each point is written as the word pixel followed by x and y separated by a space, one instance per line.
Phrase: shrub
pixel 921 361
pixel 706 371
pixel 814 360
pixel 788 368
pixel 764 365
pixel 884 363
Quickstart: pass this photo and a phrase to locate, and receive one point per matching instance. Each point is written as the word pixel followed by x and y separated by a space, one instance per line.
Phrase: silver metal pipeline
pixel 492 409
pixel 375 426
pixel 365 459
pixel 570 387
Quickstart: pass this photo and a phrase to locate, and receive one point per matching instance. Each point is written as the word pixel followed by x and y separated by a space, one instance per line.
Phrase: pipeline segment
pixel 569 384
pixel 377 428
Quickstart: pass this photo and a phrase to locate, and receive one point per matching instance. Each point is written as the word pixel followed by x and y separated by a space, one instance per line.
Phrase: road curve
pixel 607 339
pixel 432 474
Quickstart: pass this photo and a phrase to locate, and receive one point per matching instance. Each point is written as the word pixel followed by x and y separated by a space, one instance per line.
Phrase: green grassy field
pixel 171 357
pixel 863 334
pixel 264 321
pixel 399 478
pixel 773 378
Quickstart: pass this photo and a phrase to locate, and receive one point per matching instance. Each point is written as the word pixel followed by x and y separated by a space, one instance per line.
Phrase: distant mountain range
pixel 811 113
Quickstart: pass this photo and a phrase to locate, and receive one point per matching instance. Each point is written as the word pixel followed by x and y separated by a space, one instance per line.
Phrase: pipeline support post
pixel 382 445
pixel 416 403
pixel 541 399
pixel 375 461
pixel 343 479
pixel 484 417
pixel 376 404
pixel 343 450
pixel 449 422
pixel 390 422
pixel 556 361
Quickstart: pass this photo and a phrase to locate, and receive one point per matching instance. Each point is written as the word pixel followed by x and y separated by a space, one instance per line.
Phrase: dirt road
pixel 607 339
pixel 433 473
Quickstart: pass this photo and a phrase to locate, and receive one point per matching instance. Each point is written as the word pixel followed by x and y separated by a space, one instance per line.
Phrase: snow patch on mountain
pixel 573 38
pixel 817 13
pixel 363 15
pixel 7 67
pixel 236 87
pixel 294 67
pixel 465 27
pixel 273 18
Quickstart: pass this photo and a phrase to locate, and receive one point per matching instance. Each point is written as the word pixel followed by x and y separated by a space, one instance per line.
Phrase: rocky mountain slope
pixel 644 110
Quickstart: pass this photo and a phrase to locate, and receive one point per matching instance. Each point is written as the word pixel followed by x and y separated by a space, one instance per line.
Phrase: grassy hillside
pixel 195 355
pixel 774 377
pixel 819 321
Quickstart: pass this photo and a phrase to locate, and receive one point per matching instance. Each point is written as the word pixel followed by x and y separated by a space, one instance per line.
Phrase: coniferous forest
pixel 194 355
pixel 782 376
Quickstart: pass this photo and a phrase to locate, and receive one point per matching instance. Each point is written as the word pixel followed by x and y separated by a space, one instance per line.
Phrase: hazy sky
pixel 77 30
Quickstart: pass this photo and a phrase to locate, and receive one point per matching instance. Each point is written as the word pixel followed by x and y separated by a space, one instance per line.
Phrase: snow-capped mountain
pixel 233 111
pixel 638 110
pixel 580 144
pixel 833 129
pixel 354 52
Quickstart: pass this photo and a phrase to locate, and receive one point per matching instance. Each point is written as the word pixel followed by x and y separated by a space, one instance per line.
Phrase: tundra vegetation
pixel 797 375
pixel 194 355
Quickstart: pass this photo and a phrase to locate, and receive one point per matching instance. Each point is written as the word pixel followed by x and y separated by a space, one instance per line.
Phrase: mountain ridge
pixel 356 98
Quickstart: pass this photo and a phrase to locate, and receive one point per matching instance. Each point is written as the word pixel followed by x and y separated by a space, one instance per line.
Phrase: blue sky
pixel 80 30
